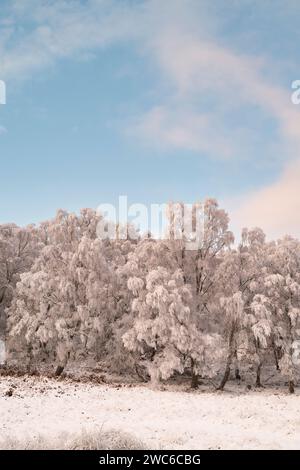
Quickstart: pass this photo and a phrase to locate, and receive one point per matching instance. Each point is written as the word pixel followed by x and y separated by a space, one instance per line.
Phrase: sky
pixel 159 101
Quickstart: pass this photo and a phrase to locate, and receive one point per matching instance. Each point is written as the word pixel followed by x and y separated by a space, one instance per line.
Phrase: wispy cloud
pixel 229 81
pixel 176 127
pixel 59 29
pixel 211 84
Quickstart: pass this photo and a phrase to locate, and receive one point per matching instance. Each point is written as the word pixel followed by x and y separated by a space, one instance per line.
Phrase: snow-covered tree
pixel 18 249
pixel 187 304
pixel 199 257
pixel 240 276
pixel 198 249
pixel 59 302
pixel 161 327
pixel 71 303
pixel 282 300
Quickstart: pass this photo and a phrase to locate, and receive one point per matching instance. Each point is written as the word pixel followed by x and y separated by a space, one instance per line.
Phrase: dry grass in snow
pixel 99 440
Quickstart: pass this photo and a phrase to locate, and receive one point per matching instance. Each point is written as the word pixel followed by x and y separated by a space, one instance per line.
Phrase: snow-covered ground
pixel 161 419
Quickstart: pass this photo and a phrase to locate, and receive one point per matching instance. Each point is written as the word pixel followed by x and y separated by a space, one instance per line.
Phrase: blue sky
pixel 173 100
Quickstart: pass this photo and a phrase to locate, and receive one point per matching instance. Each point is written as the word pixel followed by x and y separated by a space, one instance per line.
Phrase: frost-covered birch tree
pixel 239 280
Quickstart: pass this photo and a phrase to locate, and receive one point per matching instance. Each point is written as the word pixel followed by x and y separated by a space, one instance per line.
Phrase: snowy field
pixel 160 419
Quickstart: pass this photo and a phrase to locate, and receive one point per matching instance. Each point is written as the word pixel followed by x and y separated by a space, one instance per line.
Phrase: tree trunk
pixel 225 376
pixel 61 366
pixel 229 360
pixel 259 365
pixel 276 359
pixel 195 376
pixel 258 370
pixel 142 373
pixel 195 381
pixel 291 386
pixel 290 351
pixel 237 370
pixel 275 351
pixel 59 370
pixel 237 374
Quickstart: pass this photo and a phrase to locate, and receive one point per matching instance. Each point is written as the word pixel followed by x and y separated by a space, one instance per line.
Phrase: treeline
pixel 150 307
